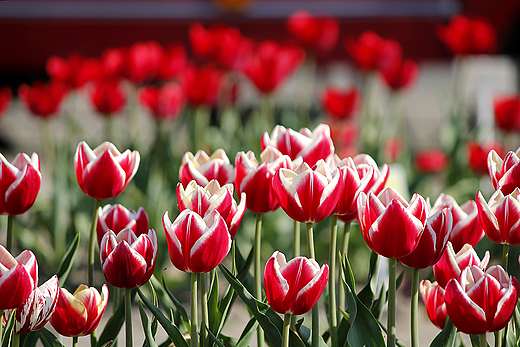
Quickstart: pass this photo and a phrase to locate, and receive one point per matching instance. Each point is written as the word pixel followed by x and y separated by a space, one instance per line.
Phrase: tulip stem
pixel 92 244
pixel 310 241
pixel 315 311
pixel 9 241
pixel 505 255
pixel 415 308
pixel 286 329
pixel 194 342
pixel 75 341
pixel 204 303
pixel 344 250
pixel 128 316
pixel 391 303
pixel 332 281
pixel 258 272
pixel 296 253
pixel 16 340
pixel 1 327
pixel 483 341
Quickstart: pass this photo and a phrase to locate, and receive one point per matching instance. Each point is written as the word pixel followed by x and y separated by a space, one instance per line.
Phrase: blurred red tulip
pixel 74 72
pixel 313 32
pixel 202 84
pixel 433 297
pixel 504 173
pixel 400 75
pixel 18 277
pixel 431 160
pixel 500 216
pixel 341 104
pixel 371 52
pixel 174 61
pixel 43 100
pixel 166 102
pixel 113 63
pixel 204 168
pixel 5 99
pixel 108 97
pixel 478 155
pixel 468 35
pixel 144 61
pixel 117 217
pixel 507 112
pixel 393 148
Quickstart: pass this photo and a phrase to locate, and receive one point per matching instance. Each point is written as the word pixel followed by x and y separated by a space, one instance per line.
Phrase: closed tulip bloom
pixel 478 155
pixel 466 222
pixel 117 217
pixel 108 97
pixel 103 173
pixel 43 100
pixel 505 174
pixel 433 297
pixel 254 178
pixel 480 301
pixel 431 160
pixel 308 194
pixel 341 104
pixel 500 216
pixel 294 287
pixel 468 35
pixel 451 264
pixel 197 243
pixel 37 310
pixel 390 225
pixel 400 75
pixel 70 71
pixel 316 33
pixel 203 200
pixel 143 61
pixel 128 260
pixel 507 112
pixel 18 277
pixel 79 314
pixel 202 84
pixel 352 184
pixel 19 183
pixel 310 145
pixel 173 62
pixel 204 168
pixel 372 52
pixel 166 102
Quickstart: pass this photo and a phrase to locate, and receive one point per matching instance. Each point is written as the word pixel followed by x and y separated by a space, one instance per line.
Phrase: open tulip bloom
pixel 203 168
pixel 504 173
pixel 117 217
pixel 18 277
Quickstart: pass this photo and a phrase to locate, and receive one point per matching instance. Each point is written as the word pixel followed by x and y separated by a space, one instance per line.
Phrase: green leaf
pixel 214 313
pixel 215 340
pixel 475 340
pixel 30 339
pixel 366 295
pixel 343 329
pixel 247 333
pixel 170 328
pixel 49 339
pixel 447 337
pixel 7 334
pixel 114 324
pixel 180 308
pixel 379 303
pixel 153 324
pixel 147 327
pixel 305 335
pixel 68 260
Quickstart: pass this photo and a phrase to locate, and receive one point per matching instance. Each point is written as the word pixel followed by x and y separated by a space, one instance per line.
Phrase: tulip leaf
pixel 215 340
pixel 7 334
pixel 379 303
pixel 305 334
pixel 366 295
pixel 475 339
pixel 170 328
pixel 447 337
pixel 30 339
pixel 68 260
pixel 247 333
pixel 343 329
pixel 114 324
pixel 49 339
pixel 178 305
pixel 147 327
pixel 153 324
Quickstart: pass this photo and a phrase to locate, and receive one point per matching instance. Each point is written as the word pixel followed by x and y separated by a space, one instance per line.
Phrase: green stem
pixel 296 253
pixel 128 316
pixel 391 339
pixel 483 341
pixel 194 338
pixel 16 340
pixel 344 249
pixel 332 281
pixel 233 258
pixel 258 272
pixel 1 328
pixel 92 244
pixel 75 341
pixel 415 308
pixel 9 242
pixel 204 303
pixel 315 312
pixel 310 241
pixel 505 255
pixel 286 329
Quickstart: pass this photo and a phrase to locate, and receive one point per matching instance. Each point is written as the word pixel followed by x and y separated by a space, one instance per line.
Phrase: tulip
pixel 203 168
pixel 294 287
pixel 400 75
pixel 466 223
pixel 431 160
pixel 37 310
pixel 19 183
pixel 203 200
pixel 6 95
pixel 196 243
pixel 79 314
pixel 507 113
pixel 468 35
pixel 108 97
pixel 128 260
pixel 478 155
pixel 371 52
pixel 433 298
pixel 480 301
pixel 316 33
pixel 113 63
pixel 201 84
pixel 18 278
pixel 166 102
pixel 500 216
pixel 308 195
pixel 117 217
pixel 174 61
pixel 393 148
pixel 254 178
pixel 310 145
pixel 341 104
pixel 505 174
pixel 451 265
pixel 103 173
pixel 73 71
pixel 143 61
pixel 43 100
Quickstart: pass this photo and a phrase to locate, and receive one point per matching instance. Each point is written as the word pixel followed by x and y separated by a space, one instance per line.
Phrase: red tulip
pixel 308 194
pixel 74 71
pixel 481 301
pixel 202 84
pixel 400 75
pixel 371 52
pixel 197 243
pixel 316 33
pixel 433 297
pixel 478 155
pixel 431 160
pixel 352 184
pixel 393 148
pixel 103 173
pixel 128 260
pixel 203 168
pixel 390 225
pixel 466 223
pixel 310 145
pixel 341 104
pixel 344 134
pixel 5 99
pixel 254 179
pixel 294 287
pixel 43 100
pixel 271 64
pixel 203 200
pixel 19 183
pixel 108 97
pixel 79 314
pixel 113 63
pixel 166 102
pixel 505 174
pixel 37 310
pixel 500 216
pixel 507 112
pixel 468 35
pixel 173 62
pixel 18 277
pixel 117 217
pixel 451 265
pixel 143 61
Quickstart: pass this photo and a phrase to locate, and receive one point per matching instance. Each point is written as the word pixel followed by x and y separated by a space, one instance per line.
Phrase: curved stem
pixel 204 303
pixel 505 255
pixel 332 281
pixel 128 317
pixel 286 328
pixel 391 303
pixel 415 308
pixel 258 272
pixel 194 338
pixel 92 244
pixel 9 241
pixel 344 249
pixel 315 312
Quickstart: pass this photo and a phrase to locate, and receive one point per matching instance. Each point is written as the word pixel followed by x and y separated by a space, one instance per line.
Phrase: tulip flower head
pixel 72 71
pixel 143 61
pixel 202 84
pixel 103 173
pixel 204 168
pixel 433 297
pixel 294 287
pixel 166 102
pixel 500 216
pixel 43 100
pixel 478 155
pixel 19 183
pixel 507 112
pixel 117 217
pixel 18 277
pixel 400 75
pixel 372 52
pixel 431 160
pixel 316 33
pixel 504 173
pixel 128 260
pixel 341 104
pixel 108 97
pixel 173 62
pixel 79 314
